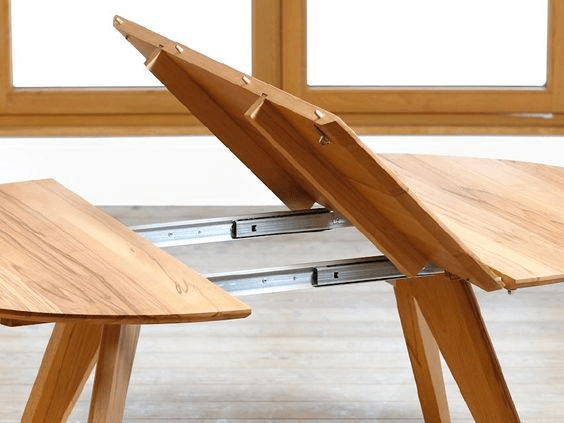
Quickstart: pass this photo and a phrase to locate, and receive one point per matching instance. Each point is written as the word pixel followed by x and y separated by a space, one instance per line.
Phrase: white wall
pixel 201 171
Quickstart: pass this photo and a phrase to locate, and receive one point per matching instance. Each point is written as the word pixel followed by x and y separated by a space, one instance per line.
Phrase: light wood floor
pixel 318 355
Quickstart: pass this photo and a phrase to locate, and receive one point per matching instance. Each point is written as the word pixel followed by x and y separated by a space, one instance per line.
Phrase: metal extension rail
pixel 365 269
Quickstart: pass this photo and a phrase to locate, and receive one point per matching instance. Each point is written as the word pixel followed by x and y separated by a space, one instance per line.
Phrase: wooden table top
pixel 305 154
pixel 63 259
pixel 509 214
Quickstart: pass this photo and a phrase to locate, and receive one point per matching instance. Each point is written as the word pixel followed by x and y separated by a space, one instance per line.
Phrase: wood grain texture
pixel 186 124
pixel 267 33
pixel 15 323
pixel 63 259
pixel 294 57
pixel 308 162
pixel 555 77
pixel 5 54
pixel 424 356
pixel 342 174
pixel 453 315
pixel 115 362
pixel 510 214
pixel 95 125
pixel 497 100
pixel 85 102
pixel 334 354
pixel 68 361
pixel 448 123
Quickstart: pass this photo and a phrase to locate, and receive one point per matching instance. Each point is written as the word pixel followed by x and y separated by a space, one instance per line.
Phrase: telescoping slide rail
pixel 325 273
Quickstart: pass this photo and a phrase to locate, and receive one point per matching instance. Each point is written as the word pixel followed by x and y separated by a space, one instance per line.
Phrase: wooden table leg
pixel 68 361
pixel 452 313
pixel 424 356
pixel 113 371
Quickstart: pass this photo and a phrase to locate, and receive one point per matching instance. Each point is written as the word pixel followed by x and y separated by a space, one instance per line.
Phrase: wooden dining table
pixel 487 224
pixel 490 224
pixel 65 261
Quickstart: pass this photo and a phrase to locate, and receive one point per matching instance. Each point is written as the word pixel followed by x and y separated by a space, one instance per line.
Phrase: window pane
pixel 427 43
pixel 69 43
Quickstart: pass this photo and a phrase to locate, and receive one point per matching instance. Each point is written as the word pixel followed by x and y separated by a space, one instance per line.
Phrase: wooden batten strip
pixel 439 244
pixel 289 142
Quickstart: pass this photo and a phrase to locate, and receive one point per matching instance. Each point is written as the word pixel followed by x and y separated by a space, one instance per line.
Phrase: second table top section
pixel 509 214
pixel 63 259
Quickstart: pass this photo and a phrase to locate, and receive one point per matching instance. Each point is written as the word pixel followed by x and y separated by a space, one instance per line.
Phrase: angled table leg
pixel 68 361
pixel 113 371
pixel 424 356
pixel 453 316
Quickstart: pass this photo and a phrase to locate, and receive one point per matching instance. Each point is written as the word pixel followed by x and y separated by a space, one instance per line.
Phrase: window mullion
pixel 294 34
pixel 5 54
pixel 267 60
pixel 555 78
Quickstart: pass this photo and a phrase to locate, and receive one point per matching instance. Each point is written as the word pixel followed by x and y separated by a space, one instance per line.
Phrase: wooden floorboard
pixel 317 355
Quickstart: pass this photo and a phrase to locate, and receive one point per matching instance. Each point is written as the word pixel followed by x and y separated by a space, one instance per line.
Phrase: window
pixel 516 87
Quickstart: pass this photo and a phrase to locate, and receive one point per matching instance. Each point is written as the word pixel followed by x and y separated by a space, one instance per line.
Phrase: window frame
pixel 279 57
pixel 109 111
pixel 381 110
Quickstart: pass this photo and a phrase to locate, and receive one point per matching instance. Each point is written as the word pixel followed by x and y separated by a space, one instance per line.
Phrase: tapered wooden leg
pixel 424 356
pixel 68 361
pixel 113 371
pixel 453 316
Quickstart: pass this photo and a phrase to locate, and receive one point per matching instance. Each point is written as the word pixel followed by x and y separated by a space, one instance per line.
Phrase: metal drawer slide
pixel 367 269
